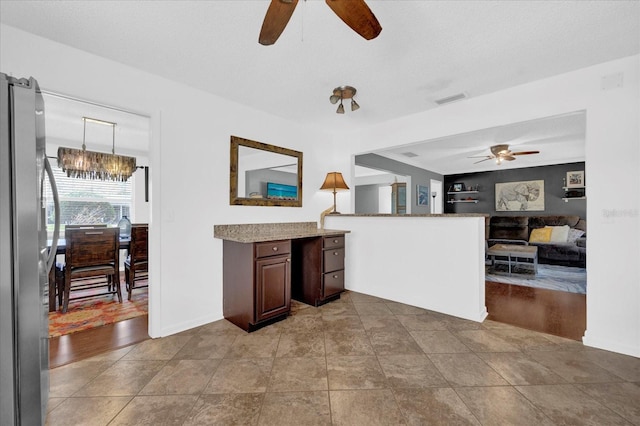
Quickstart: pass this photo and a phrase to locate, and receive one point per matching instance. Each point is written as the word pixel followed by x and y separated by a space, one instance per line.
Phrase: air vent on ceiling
pixel 410 154
pixel 453 98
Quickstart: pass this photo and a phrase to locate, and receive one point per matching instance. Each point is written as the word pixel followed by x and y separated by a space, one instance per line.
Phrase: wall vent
pixel 453 98
pixel 410 154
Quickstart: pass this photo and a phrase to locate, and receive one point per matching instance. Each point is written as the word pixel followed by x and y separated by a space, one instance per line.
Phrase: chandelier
pixel 344 92
pixel 80 163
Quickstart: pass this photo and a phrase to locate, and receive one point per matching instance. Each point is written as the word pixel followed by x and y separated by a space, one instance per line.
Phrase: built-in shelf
pixel 566 199
pixel 462 192
pixel 574 193
pixel 461 201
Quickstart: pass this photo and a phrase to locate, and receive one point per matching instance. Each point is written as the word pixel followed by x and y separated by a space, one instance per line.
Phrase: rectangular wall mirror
pixel 264 175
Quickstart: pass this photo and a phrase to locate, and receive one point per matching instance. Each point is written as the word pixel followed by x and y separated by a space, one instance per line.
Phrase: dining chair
pixel 91 262
pixel 136 266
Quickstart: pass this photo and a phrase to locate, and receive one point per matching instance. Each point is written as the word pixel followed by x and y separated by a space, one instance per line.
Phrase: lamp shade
pixel 334 182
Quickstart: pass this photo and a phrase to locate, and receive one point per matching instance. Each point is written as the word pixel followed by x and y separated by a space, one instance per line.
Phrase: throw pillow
pixel 559 234
pixel 574 234
pixel 540 235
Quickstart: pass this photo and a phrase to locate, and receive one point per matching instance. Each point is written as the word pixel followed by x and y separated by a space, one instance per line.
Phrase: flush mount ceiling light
pixel 341 93
pixel 84 164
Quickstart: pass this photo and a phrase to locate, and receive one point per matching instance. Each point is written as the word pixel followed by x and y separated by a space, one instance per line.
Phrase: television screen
pixel 280 191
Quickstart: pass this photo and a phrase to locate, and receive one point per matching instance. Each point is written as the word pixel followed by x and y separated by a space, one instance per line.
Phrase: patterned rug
pixel 95 312
pixel 550 277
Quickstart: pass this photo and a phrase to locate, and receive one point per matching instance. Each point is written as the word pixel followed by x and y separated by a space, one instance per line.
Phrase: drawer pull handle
pixel 335 241
pixel 288 260
pixel 275 249
pixel 335 277
pixel 335 253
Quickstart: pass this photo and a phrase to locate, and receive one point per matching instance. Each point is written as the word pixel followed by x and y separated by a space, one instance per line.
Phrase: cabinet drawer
pixel 332 283
pixel 273 248
pixel 333 259
pixel 331 242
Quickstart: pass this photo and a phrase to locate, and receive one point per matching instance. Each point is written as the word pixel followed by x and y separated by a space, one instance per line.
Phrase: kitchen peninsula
pixel 265 265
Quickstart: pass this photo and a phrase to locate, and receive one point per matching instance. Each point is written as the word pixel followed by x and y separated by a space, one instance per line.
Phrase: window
pixel 87 201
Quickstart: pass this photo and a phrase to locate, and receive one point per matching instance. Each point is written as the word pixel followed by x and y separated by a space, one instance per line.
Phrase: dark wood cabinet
pixel 256 282
pixel 318 269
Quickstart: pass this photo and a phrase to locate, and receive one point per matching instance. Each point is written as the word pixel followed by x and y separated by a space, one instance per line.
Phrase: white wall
pixel 612 176
pixel 189 159
pixel 435 263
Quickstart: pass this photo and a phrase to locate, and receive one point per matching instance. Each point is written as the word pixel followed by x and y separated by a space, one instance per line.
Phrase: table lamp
pixel 334 182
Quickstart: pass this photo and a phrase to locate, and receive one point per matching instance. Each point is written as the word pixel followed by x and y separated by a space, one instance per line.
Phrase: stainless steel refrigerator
pixel 24 257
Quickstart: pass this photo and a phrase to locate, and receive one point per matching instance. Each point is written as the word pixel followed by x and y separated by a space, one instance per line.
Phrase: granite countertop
pixel 259 232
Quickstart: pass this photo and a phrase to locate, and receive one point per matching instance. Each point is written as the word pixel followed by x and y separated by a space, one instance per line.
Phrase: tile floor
pixel 357 361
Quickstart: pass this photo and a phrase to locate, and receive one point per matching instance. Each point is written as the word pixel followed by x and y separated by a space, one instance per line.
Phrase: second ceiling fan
pixel 355 13
pixel 503 153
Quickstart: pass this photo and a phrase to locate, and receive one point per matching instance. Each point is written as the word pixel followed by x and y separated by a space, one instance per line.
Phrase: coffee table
pixel 514 254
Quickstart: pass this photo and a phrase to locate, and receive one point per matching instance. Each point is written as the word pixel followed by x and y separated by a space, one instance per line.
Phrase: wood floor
pixel 553 312
pixel 85 344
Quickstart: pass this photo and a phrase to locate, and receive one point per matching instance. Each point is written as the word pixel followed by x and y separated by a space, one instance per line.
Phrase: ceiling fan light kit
pixel 341 93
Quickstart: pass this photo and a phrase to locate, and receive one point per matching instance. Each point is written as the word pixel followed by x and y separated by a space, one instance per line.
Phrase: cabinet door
pixel 332 283
pixel 273 287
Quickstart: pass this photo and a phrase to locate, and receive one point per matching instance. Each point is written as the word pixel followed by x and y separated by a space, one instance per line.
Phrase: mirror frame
pixel 236 143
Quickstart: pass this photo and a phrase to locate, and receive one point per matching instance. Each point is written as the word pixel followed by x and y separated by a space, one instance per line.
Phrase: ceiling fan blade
pixel 525 152
pixel 276 20
pixel 499 149
pixel 485 159
pixel 357 15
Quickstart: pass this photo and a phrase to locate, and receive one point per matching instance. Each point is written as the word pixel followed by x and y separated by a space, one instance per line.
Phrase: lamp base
pixel 335 213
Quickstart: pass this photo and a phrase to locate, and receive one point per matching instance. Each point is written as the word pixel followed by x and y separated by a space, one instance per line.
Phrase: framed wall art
pixel 520 196
pixel 575 179
pixel 422 195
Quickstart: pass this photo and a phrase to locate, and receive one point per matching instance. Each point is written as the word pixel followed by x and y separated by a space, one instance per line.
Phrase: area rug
pixel 550 277
pixel 95 312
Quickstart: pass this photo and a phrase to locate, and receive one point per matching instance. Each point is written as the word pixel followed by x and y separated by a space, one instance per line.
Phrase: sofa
pixel 561 240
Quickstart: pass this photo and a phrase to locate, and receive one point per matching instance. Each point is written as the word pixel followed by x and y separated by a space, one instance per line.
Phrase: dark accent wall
pixel 418 177
pixel 553 177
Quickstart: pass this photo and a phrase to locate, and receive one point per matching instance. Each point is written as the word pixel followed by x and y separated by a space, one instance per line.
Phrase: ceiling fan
pixel 503 153
pixel 355 13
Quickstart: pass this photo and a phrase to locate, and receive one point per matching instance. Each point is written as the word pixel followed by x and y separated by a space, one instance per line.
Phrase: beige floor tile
pixel 365 407
pixel 163 348
pixel 525 340
pixel 435 406
pixel 114 355
pixel 424 322
pixel 122 378
pixel 98 411
pixel 244 375
pixel 338 309
pixel 254 345
pixel 384 323
pixel 411 371
pixel 226 409
pixel 68 379
pixel 302 324
pixel 355 343
pixel 389 343
pixel 484 341
pixel 156 410
pixel 182 377
pixel 574 367
pixel 53 403
pixel 295 409
pixel 520 369
pixel 206 346
pixel 365 298
pixel 295 345
pixel 433 342
pixel 466 370
pixel 624 366
pixel 502 405
pixel 298 374
pixel 355 372
pixel 622 398
pixel 372 309
pixel 342 323
pixel 221 327
pixel 402 309
pixel 566 404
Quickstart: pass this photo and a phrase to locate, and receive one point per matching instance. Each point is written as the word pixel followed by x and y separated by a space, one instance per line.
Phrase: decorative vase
pixel 125 227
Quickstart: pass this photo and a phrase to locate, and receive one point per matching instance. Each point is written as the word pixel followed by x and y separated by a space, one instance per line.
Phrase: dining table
pixel 61 249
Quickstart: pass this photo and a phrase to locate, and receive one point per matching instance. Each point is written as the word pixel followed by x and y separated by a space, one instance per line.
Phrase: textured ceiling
pixel 427 49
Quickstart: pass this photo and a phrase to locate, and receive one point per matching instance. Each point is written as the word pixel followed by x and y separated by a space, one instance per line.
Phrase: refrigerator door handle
pixel 56 209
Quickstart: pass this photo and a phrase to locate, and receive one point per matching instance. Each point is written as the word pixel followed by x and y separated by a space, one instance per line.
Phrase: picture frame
pixel 457 187
pixel 520 196
pixel 575 179
pixel 422 195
